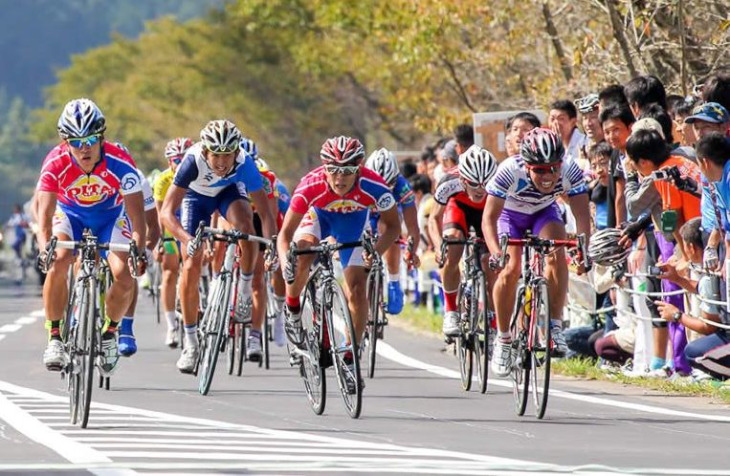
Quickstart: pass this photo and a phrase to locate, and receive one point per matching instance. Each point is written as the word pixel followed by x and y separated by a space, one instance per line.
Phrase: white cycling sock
pixel 279 304
pixel 393 277
pixel 171 319
pixel 191 335
pixel 246 284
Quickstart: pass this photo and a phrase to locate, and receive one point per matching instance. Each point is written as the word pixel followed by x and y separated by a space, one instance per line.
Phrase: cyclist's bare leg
pixel 259 295
pixel 392 258
pixel 450 274
pixel 120 292
pixel 189 294
pixel 240 216
pixel 170 271
pixel 357 300
pixel 132 303
pixel 505 287
pixel 556 270
pixel 55 289
pixel 304 262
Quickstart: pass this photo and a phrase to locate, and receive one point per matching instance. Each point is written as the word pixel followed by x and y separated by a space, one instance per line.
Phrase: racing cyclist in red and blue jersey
pixel 87 183
pixel 335 200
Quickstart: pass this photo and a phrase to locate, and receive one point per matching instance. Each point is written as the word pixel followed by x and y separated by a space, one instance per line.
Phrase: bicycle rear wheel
pixel 315 383
pixel 481 332
pixel 463 344
pixel 266 338
pixel 214 328
pixel 540 348
pixel 343 346
pixel 375 318
pixel 520 357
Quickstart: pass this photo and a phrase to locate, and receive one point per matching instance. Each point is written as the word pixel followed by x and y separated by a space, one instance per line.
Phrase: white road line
pixel 390 353
pixel 38 313
pixel 8 328
pixel 69 449
pixel 26 320
pixel 2 336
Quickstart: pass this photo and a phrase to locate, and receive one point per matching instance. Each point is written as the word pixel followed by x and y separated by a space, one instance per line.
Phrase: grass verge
pixel 422 320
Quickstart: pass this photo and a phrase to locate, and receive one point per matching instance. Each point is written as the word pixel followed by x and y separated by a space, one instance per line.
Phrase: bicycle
pixel 328 332
pixel 221 303
pixel 473 345
pixel 530 321
pixel 377 319
pixel 84 318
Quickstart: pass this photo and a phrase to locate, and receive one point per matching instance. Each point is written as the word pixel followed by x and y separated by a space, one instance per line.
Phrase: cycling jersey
pixel 513 184
pixel 195 174
pixel 95 196
pixel 149 201
pixel 162 184
pixel 451 188
pixel 342 217
pixel 284 197
pixel 403 193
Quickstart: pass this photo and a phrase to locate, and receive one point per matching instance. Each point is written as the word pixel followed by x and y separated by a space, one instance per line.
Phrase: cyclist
pixel 384 163
pixel 335 200
pixel 521 197
pixel 169 252
pixel 461 195
pixel 96 186
pixel 215 175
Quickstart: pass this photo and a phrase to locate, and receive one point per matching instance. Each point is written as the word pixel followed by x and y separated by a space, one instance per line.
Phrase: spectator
pixel 517 126
pixel 683 131
pixel 19 223
pixel 709 117
pixel 600 160
pixel 588 108
pixel 612 95
pixel 717 89
pixel 464 136
pixel 616 121
pixel 645 90
pixel 408 168
pixel 654 111
pixel 563 120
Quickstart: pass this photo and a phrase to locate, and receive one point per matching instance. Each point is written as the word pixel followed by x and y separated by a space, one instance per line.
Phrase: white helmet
pixel 383 163
pixel 605 249
pixel 221 136
pixel 477 165
pixel 80 118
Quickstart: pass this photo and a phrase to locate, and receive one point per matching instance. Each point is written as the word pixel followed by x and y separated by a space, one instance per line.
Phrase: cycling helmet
pixel 262 165
pixel 541 146
pixel 587 104
pixel 383 163
pixel 342 150
pixel 80 118
pixel 249 147
pixel 221 136
pixel 177 147
pixel 605 249
pixel 477 165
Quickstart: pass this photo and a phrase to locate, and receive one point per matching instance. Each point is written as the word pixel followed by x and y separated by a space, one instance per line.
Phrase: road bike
pixel 473 344
pixel 532 345
pixel 85 318
pixel 328 333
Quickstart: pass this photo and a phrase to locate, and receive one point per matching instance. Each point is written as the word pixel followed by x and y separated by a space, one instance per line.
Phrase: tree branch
pixel 557 44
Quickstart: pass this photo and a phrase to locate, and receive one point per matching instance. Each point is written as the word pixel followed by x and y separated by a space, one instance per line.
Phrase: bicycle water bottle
pixel 528 301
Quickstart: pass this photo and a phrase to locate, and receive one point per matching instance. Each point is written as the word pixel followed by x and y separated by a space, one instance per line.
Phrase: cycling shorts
pixel 115 230
pixel 460 216
pixel 515 224
pixel 343 227
pixel 197 207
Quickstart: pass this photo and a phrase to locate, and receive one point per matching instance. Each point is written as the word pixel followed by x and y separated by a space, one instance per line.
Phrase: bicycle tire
pixel 541 349
pixel 375 314
pixel 340 349
pixel 240 344
pixel 520 362
pixel 73 374
pixel 481 336
pixel 231 349
pixel 87 358
pixel 463 352
pixel 312 373
pixel 265 338
pixel 214 329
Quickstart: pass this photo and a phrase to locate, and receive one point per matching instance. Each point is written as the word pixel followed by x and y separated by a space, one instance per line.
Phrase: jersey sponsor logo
pixel 130 182
pixel 386 201
pixel 343 206
pixel 522 184
pixel 90 191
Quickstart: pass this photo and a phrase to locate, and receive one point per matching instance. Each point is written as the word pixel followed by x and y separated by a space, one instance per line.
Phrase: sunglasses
pixel 473 185
pixel 545 169
pixel 176 160
pixel 79 142
pixel 341 169
pixel 224 150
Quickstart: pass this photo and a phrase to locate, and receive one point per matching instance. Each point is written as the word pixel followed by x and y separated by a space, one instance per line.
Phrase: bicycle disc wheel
pixel 481 333
pixel 88 347
pixel 541 350
pixel 343 347
pixel 312 373
pixel 214 321
pixel 375 318
pixel 520 358
pixel 463 345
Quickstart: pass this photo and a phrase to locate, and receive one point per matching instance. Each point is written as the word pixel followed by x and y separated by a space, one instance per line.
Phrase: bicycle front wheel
pixel 375 318
pixel 310 369
pixel 520 357
pixel 214 328
pixel 85 352
pixel 343 348
pixel 480 340
pixel 540 348
pixel 463 341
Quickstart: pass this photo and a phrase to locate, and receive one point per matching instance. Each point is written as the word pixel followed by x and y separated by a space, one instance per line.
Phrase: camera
pixel 655 271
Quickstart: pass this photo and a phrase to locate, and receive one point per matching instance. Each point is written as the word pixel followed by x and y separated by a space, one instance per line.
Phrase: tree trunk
pixel 557 44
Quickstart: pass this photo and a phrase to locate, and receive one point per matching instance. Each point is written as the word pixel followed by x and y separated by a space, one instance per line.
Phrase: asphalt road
pixel 416 418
